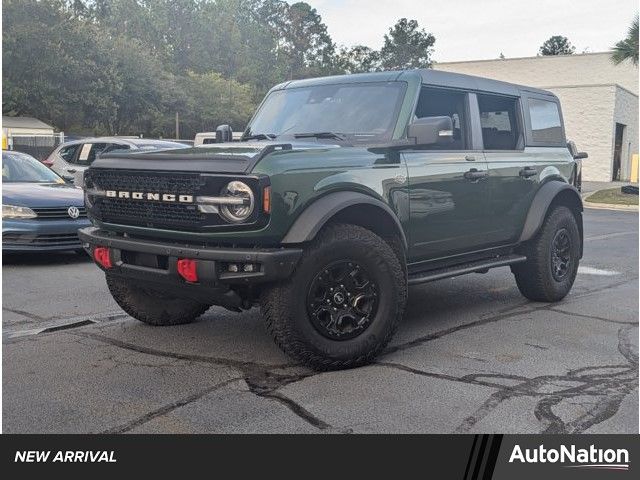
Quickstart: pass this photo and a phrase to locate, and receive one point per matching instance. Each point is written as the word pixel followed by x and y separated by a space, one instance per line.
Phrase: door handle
pixel 470 158
pixel 527 172
pixel 71 170
pixel 475 174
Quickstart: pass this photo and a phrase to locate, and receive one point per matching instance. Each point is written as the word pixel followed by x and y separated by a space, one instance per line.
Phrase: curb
pixel 608 206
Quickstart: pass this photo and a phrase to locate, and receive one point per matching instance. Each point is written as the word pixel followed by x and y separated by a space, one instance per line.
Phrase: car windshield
pixel 20 167
pixel 357 112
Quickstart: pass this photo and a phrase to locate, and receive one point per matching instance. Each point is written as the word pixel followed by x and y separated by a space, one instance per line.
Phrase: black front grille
pixel 59 239
pixel 145 212
pixel 57 212
pixel 178 184
pixel 149 213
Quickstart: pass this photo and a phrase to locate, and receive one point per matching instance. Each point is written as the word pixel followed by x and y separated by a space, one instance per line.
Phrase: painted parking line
pixel 608 235
pixel 596 271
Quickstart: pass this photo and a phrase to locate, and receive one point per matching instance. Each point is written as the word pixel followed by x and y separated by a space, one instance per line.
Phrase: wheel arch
pixel 348 207
pixel 551 194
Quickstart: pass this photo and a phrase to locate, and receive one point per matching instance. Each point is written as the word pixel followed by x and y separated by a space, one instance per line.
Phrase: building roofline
pixel 574 55
pixel 587 85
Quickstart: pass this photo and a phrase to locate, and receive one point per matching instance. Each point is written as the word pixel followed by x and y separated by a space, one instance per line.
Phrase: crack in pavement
pixel 516 310
pixel 127 427
pixel 265 380
pixel 605 386
pixel 593 317
pixel 24 313
pixel 262 381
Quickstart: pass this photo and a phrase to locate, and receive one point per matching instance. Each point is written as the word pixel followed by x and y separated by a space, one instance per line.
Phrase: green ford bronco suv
pixel 343 192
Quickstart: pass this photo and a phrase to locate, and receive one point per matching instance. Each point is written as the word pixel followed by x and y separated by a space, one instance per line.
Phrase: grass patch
pixel 613 196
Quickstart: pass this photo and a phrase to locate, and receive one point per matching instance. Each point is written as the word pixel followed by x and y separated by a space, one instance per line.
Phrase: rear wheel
pixel 151 306
pixel 552 258
pixel 343 302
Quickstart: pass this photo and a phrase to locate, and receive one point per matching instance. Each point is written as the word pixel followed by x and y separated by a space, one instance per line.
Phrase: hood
pixel 236 157
pixel 41 195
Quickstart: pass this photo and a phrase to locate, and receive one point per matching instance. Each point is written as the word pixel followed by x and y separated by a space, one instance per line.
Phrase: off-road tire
pixel 534 277
pixel 153 307
pixel 284 305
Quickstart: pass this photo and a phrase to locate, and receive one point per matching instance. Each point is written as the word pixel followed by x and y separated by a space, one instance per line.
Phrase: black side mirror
pixel 223 134
pixel 431 130
pixel 573 150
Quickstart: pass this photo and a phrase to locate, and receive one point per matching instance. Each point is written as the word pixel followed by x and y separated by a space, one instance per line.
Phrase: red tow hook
pixel 188 269
pixel 102 255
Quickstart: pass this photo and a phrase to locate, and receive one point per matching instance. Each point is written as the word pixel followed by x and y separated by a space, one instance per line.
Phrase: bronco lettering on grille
pixel 158 197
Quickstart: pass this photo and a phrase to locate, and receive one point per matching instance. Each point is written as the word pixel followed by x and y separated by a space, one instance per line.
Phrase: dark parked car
pixel 345 191
pixel 40 212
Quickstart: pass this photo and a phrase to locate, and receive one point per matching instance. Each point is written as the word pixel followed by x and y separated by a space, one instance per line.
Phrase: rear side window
pixel 545 122
pixel 68 153
pixel 89 152
pixel 499 122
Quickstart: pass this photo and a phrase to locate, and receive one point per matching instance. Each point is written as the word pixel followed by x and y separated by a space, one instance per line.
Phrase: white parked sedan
pixel 70 159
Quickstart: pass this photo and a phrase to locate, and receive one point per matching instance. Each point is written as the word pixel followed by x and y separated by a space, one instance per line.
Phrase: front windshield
pixel 19 167
pixel 356 111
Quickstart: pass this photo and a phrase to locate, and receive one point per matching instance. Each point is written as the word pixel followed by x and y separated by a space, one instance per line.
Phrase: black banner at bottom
pixel 465 457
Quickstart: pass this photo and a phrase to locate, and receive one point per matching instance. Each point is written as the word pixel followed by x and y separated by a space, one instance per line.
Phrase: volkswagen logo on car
pixel 73 212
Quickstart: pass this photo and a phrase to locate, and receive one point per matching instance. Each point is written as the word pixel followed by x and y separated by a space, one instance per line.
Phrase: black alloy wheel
pixel 342 300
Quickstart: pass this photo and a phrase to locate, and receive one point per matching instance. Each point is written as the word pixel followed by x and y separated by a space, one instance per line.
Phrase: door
pixel 617 153
pixel 447 184
pixel 514 172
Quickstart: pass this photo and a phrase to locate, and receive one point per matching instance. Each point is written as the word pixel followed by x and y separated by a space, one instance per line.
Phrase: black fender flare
pixel 540 205
pixel 316 215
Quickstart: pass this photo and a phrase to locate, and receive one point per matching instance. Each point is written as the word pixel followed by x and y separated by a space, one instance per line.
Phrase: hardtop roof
pixel 426 76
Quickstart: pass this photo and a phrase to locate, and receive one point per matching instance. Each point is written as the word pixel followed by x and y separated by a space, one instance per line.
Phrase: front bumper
pixel 37 235
pixel 156 262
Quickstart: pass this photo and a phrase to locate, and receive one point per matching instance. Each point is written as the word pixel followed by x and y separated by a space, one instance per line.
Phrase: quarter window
pixel 545 122
pixel 68 153
pixel 499 122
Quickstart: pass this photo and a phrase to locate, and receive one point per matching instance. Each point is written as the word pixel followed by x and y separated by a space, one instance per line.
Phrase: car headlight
pixel 241 202
pixel 14 211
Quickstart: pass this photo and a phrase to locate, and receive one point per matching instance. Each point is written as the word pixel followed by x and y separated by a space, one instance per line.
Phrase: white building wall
pixel 588 117
pixel 626 113
pixel 552 71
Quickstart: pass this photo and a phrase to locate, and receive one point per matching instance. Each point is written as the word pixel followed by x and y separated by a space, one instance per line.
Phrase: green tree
pixel 358 59
pixel 557 45
pixel 407 46
pixel 627 48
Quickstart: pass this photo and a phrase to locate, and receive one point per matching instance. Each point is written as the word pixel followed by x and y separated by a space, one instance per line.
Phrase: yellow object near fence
pixel 634 168
pixel 5 145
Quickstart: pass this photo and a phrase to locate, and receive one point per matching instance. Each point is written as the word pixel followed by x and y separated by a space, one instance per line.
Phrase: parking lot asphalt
pixel 472 355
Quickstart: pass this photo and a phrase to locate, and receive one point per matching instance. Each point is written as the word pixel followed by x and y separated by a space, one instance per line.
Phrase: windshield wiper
pixel 260 136
pixel 337 136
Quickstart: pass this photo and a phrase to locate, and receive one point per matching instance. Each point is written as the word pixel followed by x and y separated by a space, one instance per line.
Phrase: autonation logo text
pixel 592 457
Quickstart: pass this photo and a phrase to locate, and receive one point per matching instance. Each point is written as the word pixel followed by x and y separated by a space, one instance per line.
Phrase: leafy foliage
pixel 127 66
pixel 627 48
pixel 557 45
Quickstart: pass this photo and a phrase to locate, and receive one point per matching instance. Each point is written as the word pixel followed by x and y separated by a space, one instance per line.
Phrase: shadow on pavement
pixel 44 258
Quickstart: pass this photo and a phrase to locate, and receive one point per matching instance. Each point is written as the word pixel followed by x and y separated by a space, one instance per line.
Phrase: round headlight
pixel 241 202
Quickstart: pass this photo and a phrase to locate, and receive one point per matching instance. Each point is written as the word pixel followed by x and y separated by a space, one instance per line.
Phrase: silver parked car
pixel 70 159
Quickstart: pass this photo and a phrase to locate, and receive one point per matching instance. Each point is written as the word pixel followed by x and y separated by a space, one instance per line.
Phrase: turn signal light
pixel 102 256
pixel 266 200
pixel 187 268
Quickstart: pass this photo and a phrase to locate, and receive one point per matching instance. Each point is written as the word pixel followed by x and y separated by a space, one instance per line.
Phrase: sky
pixel 482 29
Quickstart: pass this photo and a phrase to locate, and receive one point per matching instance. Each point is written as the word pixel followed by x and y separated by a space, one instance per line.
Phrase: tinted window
pixel 434 102
pixel 25 168
pixel 360 112
pixel 67 153
pixel 499 122
pixel 545 121
pixel 114 147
